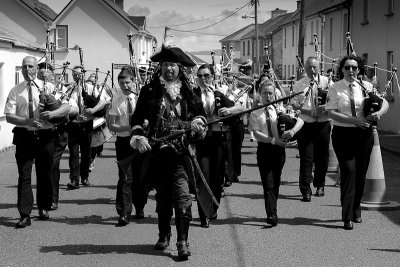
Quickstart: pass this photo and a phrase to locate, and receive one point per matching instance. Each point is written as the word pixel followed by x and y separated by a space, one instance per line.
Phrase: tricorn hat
pixel 173 54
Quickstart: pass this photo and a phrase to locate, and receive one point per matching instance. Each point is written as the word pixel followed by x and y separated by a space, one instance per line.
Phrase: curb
pixel 395 152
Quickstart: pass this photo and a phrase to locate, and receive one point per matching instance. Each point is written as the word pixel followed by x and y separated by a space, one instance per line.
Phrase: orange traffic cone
pixel 333 164
pixel 375 186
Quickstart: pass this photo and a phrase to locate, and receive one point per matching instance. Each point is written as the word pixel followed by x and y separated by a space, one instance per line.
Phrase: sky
pixel 174 13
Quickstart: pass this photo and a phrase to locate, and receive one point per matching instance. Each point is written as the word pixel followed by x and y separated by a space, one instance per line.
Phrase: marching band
pixel 191 127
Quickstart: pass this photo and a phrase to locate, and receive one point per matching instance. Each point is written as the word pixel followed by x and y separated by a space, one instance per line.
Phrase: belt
pixel 218 127
pixel 33 132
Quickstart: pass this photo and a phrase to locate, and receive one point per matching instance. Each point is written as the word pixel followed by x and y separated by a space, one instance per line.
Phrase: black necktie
pixel 352 104
pixel 129 107
pixel 30 103
pixel 269 125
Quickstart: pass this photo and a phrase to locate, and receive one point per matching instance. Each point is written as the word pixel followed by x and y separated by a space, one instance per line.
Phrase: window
pixel 244 48
pixel 284 71
pixel 345 29
pixel 248 47
pixel 18 73
pixel 284 38
pixel 365 58
pixel 390 11
pixel 330 34
pixel 312 32
pixel 390 62
pixel 61 37
pixel 317 28
pixel 292 69
pixel 252 47
pixel 365 13
pixel 293 35
pixel 305 33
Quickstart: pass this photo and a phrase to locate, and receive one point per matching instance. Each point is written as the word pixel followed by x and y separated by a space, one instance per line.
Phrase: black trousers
pixel 130 189
pixel 313 142
pixel 60 143
pixel 211 155
pixel 79 139
pixel 237 132
pixel 270 161
pixel 353 148
pixel 172 188
pixel 31 146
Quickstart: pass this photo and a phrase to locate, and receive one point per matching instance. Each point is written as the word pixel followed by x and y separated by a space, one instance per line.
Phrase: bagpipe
pixel 90 100
pixel 373 99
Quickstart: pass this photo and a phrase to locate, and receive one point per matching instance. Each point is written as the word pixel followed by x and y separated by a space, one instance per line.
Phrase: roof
pixel 16 40
pixel 236 36
pixel 42 10
pixel 197 59
pixel 313 7
pixel 122 14
pixel 139 21
pixel 269 26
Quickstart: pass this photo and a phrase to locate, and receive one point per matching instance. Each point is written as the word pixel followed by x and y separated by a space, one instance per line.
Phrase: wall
pixel 20 20
pixel 101 33
pixel 376 38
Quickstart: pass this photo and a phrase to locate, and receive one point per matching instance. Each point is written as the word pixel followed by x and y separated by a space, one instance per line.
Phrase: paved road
pixel 83 232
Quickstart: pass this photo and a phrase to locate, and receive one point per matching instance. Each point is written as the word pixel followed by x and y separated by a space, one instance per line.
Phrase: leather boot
pixel 163 241
pixel 164 228
pixel 182 229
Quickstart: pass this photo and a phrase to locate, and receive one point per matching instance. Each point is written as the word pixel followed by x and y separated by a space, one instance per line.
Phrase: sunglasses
pixel 207 75
pixel 352 67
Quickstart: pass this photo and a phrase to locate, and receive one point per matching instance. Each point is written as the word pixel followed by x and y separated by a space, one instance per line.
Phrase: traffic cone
pixel 375 186
pixel 333 164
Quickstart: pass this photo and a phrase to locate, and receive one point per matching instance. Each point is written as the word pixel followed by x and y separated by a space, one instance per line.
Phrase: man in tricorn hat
pixel 165 105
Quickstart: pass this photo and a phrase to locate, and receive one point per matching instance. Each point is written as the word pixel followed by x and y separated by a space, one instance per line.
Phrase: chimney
pixel 119 3
pixel 277 12
pixel 298 4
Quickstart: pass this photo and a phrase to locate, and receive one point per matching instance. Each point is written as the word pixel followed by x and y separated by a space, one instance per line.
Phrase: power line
pixel 204 33
pixel 190 22
pixel 215 22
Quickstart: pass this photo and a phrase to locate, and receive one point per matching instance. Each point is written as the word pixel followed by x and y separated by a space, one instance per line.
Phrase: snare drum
pixel 101 133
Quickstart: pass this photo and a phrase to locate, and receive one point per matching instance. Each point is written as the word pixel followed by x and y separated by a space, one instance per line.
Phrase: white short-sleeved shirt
pixel 302 85
pixel 258 121
pixel 339 99
pixel 119 108
pixel 18 101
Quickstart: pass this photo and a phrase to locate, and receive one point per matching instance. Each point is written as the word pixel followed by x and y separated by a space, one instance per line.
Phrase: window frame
pixel 56 39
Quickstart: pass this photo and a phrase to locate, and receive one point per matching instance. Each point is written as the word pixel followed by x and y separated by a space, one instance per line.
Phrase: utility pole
pixel 257 63
pixel 300 47
pixel 165 34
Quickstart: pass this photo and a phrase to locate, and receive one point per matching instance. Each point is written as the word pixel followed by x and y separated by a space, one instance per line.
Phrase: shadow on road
pixel 6 221
pixel 95 201
pixel 4 206
pixel 90 249
pixel 386 249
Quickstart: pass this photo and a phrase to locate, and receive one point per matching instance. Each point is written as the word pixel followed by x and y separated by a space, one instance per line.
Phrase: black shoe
pixel 183 249
pixel 358 220
pixel 228 184
pixel 163 241
pixel 348 225
pixel 85 182
pixel 23 222
pixel 72 186
pixel 205 223
pixel 320 192
pixel 54 206
pixel 43 214
pixel 306 198
pixel 123 220
pixel 272 220
pixel 139 214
